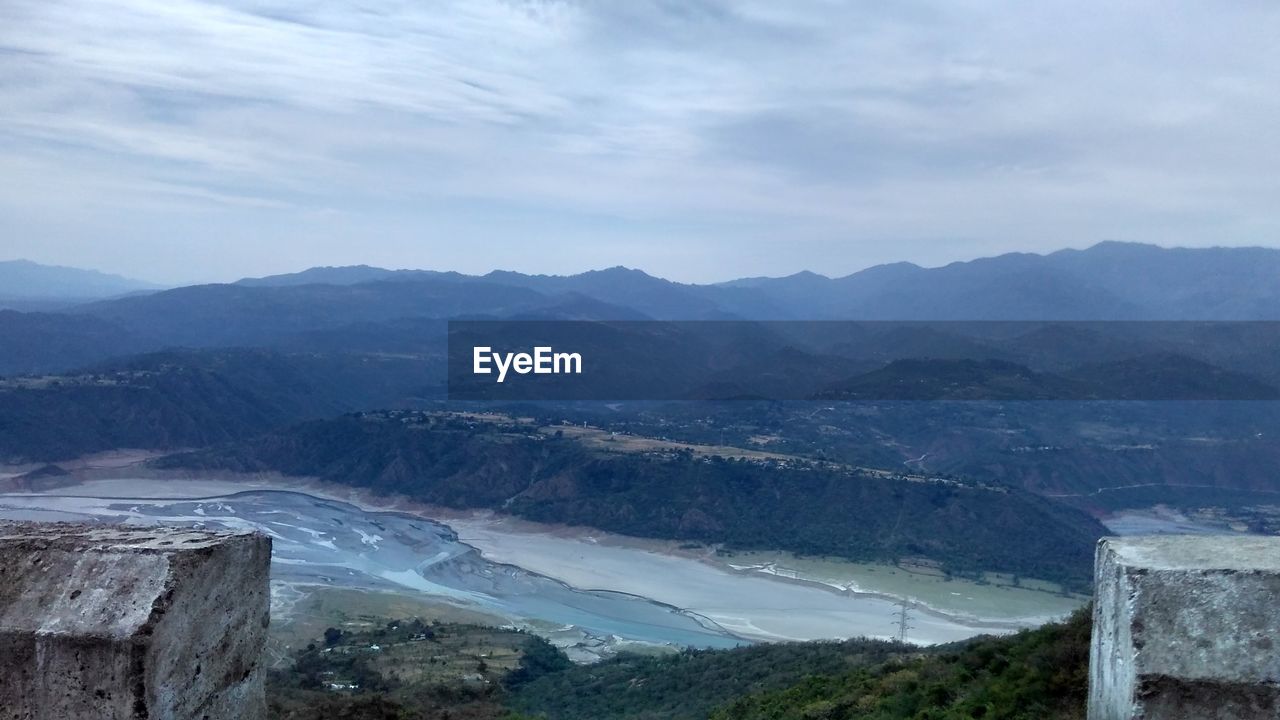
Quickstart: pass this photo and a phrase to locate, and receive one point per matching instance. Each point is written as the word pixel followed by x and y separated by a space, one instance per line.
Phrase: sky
pixel 700 140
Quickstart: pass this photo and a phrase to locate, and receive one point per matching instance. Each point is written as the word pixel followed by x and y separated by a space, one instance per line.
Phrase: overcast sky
pixel 185 140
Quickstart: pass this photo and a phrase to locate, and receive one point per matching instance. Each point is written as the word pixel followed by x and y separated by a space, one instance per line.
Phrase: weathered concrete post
pixel 1186 627
pixel 110 622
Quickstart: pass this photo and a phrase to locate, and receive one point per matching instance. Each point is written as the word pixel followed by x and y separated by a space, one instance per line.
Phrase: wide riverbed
pixel 567 586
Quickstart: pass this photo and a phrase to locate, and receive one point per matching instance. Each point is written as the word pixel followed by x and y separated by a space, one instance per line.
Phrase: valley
pixel 587 558
pixel 592 593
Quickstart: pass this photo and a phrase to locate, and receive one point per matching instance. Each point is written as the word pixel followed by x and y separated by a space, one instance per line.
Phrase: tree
pixel 332 636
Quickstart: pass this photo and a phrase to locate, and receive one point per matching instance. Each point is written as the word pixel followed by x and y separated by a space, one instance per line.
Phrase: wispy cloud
pixel 696 138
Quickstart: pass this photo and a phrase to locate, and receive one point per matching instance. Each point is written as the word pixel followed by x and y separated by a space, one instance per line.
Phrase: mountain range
pixel 1109 281
pixel 25 285
pixel 255 375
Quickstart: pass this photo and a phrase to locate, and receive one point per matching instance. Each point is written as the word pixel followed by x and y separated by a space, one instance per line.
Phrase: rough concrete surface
pixel 1186 627
pixel 116 622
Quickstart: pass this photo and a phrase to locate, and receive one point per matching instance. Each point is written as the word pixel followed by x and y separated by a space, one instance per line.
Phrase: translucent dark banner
pixel 508 360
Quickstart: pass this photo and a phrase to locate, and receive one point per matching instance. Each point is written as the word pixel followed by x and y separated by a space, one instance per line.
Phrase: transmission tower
pixel 902 619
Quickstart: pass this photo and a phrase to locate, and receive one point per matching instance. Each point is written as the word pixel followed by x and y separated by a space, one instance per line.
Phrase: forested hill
pixel 803 506
pixel 692 684
pixel 1039 674
pixel 183 399
pixel 423 671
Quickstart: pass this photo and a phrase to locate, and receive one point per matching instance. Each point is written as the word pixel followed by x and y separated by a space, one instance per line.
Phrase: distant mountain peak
pixel 805 275
pixel 1133 248
pixel 26 279
pixel 901 265
pixel 361 266
pixel 1108 247
pixel 617 271
pixel 1126 244
pixel 322 275
pixel 802 278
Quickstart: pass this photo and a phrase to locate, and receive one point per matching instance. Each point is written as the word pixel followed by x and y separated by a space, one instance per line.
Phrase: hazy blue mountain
pixel 213 315
pixel 1009 287
pixel 28 285
pixel 50 342
pixel 383 316
pixel 1109 281
pixel 1175 377
pixel 345 275
pixel 634 292
pixel 1194 284
pixel 635 289
pixel 576 306
pixel 39 305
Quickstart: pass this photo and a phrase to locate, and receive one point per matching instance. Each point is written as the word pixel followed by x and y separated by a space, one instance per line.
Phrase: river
pixel 597 591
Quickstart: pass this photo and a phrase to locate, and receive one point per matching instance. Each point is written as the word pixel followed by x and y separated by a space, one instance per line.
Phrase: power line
pixel 903 620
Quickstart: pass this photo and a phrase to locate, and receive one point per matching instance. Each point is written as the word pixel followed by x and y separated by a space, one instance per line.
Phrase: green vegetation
pixel 691 684
pixel 187 399
pixel 806 507
pixel 1160 452
pixel 409 670
pixel 420 670
pixel 1038 674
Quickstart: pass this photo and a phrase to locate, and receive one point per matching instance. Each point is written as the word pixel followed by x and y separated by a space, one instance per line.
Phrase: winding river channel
pixel 595 590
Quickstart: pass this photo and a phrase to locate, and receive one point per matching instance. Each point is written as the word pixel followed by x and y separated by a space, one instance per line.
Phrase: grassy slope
pixel 691 684
pixel 409 670
pixel 465 671
pixel 1039 674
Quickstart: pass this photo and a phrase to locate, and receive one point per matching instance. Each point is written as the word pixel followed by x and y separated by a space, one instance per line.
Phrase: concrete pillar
pixel 111 622
pixel 1186 627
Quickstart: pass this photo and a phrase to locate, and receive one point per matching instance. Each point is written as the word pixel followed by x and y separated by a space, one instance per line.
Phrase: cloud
pixel 696 138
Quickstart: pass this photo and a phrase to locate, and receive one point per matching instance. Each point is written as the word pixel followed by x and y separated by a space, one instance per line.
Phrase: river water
pixel 319 541
pixel 576 589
